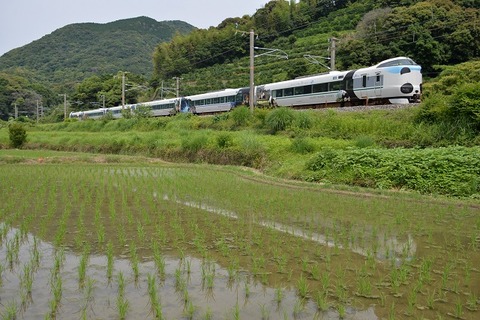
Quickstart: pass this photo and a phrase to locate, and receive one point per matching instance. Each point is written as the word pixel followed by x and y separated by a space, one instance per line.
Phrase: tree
pixel 17 134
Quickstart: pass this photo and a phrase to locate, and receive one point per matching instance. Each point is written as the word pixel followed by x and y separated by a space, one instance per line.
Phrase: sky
pixel 23 21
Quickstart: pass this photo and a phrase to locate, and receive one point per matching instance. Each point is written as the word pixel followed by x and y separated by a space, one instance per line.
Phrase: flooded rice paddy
pixel 113 241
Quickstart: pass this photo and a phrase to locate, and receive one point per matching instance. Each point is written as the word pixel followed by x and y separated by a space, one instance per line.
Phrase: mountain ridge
pixel 79 50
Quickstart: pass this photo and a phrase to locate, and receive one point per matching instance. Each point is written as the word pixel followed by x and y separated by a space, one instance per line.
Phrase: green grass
pixel 351 138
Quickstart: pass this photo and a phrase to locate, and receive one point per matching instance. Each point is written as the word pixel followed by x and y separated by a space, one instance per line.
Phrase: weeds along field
pixel 85 236
pixel 380 149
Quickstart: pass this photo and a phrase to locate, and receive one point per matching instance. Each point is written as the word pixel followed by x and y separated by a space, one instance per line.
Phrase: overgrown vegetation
pixel 17 134
pixel 383 149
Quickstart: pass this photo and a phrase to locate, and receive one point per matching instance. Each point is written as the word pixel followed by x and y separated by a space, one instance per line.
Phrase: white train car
pixel 117 111
pixel 89 114
pixel 166 107
pixel 307 91
pixel 396 80
pixel 218 101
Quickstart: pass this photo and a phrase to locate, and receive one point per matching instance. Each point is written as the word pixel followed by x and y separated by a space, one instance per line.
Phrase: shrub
pixel 240 116
pixel 364 141
pixel 224 140
pixel 465 102
pixel 303 120
pixel 143 112
pixel 302 146
pixel 17 134
pixel 280 119
pixel 194 144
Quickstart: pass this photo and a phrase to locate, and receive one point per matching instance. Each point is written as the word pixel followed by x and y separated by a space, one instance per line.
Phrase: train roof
pixel 214 94
pixel 397 61
pixel 308 80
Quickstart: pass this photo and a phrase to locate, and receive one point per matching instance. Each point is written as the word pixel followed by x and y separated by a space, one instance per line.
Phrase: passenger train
pixel 393 81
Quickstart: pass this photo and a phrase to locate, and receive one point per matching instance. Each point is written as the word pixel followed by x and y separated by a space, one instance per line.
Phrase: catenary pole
pixel 252 69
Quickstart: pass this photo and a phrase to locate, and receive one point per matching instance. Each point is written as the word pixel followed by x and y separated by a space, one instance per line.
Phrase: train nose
pixel 406 88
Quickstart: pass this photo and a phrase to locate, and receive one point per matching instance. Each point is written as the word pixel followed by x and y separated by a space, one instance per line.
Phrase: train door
pixel 378 84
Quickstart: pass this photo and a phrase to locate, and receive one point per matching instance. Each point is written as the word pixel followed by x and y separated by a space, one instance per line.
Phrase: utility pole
pixel 16 111
pixel 38 113
pixel 252 69
pixel 332 53
pixel 178 85
pixel 123 90
pixel 64 105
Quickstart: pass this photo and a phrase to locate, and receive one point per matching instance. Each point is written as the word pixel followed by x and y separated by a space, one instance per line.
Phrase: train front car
pixel 397 81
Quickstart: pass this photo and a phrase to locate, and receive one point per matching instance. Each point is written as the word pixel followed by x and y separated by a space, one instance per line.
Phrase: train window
pixel 298 91
pixel 307 89
pixel 335 86
pixel 288 92
pixel 397 62
pixel 320 87
pixel 364 81
pixel 378 78
pixel 278 93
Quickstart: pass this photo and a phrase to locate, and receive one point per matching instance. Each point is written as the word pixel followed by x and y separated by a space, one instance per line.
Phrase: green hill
pixel 77 51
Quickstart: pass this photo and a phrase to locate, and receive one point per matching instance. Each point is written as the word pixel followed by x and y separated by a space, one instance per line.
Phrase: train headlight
pixel 407 88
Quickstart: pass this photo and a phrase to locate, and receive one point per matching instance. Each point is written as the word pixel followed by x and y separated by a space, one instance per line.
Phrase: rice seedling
pixel 122 306
pixel 82 267
pixel 342 311
pixel 264 312
pixel 472 302
pixel 298 307
pixel 10 311
pixel 411 302
pixel 109 261
pixel 392 312
pixel 134 260
pixel 57 289
pixel 302 287
pixel 321 300
pixel 208 314
pixel 190 310
pixel 364 287
pixel 458 312
pixel 431 298
pixel 236 312
pixel 279 295
pixel 159 260
pixel 246 286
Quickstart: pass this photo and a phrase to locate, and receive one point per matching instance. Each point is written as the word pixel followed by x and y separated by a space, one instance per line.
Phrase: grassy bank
pixel 385 149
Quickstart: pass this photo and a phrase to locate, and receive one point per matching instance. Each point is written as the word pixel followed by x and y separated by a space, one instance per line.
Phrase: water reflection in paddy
pixel 97 296
pixel 386 248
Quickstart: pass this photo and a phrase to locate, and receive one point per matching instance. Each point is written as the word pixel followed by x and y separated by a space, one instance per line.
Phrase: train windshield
pixel 398 62
pixel 185 105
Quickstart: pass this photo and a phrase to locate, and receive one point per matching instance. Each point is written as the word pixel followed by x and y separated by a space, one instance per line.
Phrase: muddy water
pixel 96 297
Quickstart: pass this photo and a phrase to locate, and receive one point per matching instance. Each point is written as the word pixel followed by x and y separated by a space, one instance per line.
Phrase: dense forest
pixel 434 33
